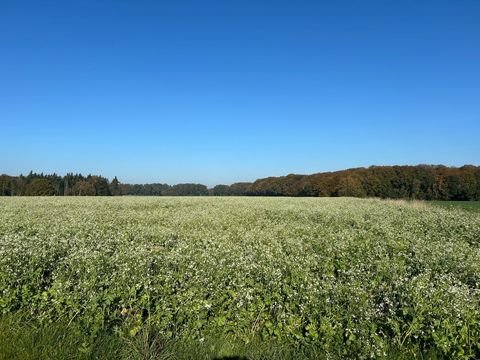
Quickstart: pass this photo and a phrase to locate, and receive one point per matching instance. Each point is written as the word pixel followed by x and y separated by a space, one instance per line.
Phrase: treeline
pixel 91 185
pixel 163 190
pixel 53 184
pixel 424 182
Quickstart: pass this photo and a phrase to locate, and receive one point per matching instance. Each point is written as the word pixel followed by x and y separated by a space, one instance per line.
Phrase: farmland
pixel 465 205
pixel 212 277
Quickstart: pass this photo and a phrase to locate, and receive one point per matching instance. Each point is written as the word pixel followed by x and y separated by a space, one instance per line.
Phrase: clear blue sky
pixel 224 91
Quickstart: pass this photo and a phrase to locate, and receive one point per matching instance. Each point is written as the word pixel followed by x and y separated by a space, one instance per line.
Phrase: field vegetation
pixel 253 277
pixel 465 205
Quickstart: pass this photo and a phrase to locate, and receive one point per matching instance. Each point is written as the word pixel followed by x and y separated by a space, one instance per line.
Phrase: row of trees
pixel 426 182
pixel 91 185
pixel 163 190
pixel 53 184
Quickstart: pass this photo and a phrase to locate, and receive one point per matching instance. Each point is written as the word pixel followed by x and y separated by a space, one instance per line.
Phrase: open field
pixel 130 277
pixel 465 205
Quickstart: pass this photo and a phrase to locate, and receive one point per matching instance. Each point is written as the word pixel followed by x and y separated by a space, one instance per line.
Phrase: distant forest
pixel 424 182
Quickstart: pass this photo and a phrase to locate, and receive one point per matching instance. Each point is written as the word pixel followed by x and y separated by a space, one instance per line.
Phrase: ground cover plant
pixel 255 277
pixel 465 205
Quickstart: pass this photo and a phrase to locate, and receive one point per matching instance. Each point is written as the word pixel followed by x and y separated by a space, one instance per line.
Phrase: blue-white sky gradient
pixel 223 91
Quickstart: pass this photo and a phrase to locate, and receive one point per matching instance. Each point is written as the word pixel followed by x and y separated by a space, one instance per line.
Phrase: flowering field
pixel 352 278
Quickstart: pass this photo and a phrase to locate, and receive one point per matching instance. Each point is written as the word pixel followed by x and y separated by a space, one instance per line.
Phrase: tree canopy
pixel 424 182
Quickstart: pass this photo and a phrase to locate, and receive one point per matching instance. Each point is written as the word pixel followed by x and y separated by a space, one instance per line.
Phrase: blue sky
pixel 224 91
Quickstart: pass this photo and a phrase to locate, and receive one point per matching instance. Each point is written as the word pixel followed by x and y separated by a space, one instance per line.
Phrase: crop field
pixel 198 277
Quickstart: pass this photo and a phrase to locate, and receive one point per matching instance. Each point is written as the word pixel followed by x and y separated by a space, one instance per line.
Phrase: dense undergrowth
pixel 253 277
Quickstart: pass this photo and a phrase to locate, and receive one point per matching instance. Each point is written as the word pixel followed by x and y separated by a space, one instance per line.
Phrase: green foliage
pixel 22 339
pixel 422 182
pixel 47 185
pixel 465 205
pixel 345 278
pixel 41 187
